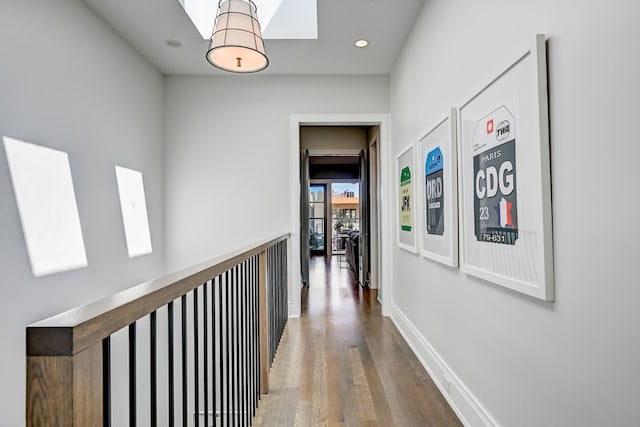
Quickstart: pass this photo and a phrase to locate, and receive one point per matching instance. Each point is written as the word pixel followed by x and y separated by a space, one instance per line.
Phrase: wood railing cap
pixel 70 332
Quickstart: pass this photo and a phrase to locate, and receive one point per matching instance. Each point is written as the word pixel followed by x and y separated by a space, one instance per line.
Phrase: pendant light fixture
pixel 236 44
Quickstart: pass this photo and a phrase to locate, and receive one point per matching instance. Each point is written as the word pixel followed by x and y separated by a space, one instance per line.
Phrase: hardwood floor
pixel 343 364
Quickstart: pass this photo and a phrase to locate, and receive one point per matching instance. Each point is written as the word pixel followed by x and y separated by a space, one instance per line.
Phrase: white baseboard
pixel 463 402
pixel 293 311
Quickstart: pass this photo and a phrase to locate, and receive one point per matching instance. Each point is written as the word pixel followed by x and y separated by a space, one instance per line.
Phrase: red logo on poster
pixel 490 126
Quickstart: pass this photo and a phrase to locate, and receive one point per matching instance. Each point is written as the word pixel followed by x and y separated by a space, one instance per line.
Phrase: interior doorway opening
pixel 376 127
pixel 335 206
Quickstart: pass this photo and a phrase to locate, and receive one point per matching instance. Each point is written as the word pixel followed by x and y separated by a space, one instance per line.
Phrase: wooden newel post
pixel 64 389
pixel 264 324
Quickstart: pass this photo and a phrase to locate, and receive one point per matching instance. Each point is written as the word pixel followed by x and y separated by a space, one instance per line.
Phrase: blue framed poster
pixel 439 192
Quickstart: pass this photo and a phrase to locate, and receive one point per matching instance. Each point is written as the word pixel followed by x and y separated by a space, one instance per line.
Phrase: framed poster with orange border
pixel 505 182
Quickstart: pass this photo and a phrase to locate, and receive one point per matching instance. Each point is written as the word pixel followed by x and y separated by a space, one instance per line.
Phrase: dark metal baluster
pixel 269 304
pixel 205 333
pixel 250 338
pixel 251 332
pixel 243 334
pixel 276 292
pixel 213 349
pixel 196 373
pixel 272 306
pixel 279 290
pixel 221 351
pixel 285 279
pixel 276 296
pixel 256 321
pixel 227 346
pixel 274 301
pixel 170 362
pixel 257 311
pixel 132 375
pixel 185 416
pixel 221 330
pixel 153 373
pixel 232 364
pixel 283 302
pixel 254 335
pixel 285 272
pixel 247 341
pixel 237 343
pixel 106 382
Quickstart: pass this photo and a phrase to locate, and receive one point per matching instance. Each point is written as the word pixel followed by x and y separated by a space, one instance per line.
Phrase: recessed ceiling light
pixel 361 43
pixel 173 43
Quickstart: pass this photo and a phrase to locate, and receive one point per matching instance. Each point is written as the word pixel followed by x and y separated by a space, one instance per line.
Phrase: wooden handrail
pixel 71 332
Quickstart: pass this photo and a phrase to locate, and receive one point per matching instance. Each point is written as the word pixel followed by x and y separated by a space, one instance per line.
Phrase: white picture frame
pixel 406 207
pixel 505 181
pixel 438 191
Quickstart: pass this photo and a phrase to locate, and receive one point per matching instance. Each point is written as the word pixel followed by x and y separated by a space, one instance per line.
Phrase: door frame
pixel 374 208
pixel 384 191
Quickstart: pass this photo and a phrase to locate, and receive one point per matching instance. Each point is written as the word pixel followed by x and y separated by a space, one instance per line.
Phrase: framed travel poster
pixel 503 130
pixel 405 178
pixel 438 192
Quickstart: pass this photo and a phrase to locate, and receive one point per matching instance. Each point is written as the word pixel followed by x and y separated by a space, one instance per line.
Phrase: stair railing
pixel 197 348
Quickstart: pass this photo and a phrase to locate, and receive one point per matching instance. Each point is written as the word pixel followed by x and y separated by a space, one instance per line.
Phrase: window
pixel 316 218
pixel 345 206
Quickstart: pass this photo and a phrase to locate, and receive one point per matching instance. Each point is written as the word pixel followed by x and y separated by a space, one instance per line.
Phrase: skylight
pixel 279 19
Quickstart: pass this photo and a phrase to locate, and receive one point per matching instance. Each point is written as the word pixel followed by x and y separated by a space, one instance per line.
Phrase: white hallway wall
pixel 227 154
pixel 530 363
pixel 69 82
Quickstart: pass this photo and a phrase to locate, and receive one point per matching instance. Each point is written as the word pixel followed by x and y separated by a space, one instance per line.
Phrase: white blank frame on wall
pixel 505 183
pixel 438 191
pixel 134 211
pixel 47 205
pixel 406 207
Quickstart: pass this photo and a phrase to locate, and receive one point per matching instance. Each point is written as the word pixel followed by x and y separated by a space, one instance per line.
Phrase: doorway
pixel 299 169
pixel 337 180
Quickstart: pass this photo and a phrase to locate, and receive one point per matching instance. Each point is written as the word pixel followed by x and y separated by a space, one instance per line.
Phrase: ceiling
pixel 148 24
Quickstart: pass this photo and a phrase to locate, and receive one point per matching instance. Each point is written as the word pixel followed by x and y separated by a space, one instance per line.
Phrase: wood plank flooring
pixel 343 364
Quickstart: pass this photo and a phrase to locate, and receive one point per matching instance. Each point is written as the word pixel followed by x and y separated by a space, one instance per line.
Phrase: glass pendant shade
pixel 236 44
